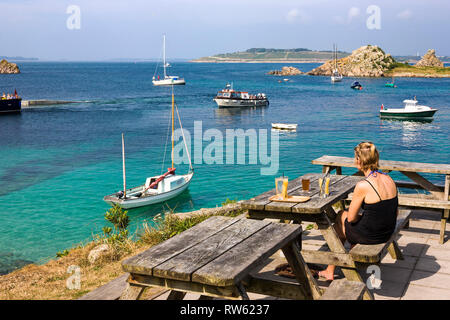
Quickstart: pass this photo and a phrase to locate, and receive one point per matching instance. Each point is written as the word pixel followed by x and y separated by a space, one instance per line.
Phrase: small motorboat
pixel 356 85
pixel 411 111
pixel 284 126
pixel 390 84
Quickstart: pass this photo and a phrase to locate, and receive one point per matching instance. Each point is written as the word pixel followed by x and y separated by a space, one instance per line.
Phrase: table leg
pixel 309 286
pixel 445 213
pixel 335 245
pixel 394 251
pixel 242 291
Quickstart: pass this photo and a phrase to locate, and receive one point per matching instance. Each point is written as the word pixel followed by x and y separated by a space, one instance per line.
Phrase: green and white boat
pixel 411 111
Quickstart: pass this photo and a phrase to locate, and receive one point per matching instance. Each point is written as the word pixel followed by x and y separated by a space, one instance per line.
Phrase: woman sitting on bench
pixel 372 214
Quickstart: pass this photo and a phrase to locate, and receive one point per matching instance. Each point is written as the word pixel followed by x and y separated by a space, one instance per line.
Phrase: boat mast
pixel 173 123
pixel 123 165
pixel 164 55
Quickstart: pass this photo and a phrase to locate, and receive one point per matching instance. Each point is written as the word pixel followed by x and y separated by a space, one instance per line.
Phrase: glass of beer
pixel 285 187
pixel 305 184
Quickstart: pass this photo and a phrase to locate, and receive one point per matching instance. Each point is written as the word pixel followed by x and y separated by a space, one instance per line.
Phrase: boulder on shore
pixel 367 61
pixel 286 71
pixel 8 67
pixel 430 60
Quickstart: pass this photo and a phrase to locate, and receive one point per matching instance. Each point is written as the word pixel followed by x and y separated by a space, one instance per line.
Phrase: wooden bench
pixel 374 253
pixel 439 197
pixel 344 290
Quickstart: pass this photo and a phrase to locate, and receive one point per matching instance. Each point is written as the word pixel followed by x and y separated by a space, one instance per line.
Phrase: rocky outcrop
pixel 430 60
pixel 8 67
pixel 98 252
pixel 286 71
pixel 367 61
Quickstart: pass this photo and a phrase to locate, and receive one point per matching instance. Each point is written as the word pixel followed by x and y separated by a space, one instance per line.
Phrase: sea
pixel 57 162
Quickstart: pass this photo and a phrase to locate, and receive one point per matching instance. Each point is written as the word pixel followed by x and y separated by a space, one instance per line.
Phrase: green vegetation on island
pixel 272 55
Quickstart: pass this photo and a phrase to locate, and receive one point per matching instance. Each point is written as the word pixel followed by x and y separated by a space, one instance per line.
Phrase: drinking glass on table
pixel 305 184
pixel 281 185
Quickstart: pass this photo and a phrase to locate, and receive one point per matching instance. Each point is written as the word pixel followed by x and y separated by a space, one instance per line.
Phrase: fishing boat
pixel 229 97
pixel 335 76
pixel 166 80
pixel 284 126
pixel 158 188
pixel 356 85
pixel 11 104
pixel 412 110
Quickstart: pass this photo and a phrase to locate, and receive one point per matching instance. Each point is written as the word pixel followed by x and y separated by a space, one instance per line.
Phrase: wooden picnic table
pixel 215 259
pixel 438 197
pixel 317 209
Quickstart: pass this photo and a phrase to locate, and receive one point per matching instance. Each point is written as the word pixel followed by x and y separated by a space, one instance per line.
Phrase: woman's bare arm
pixel 358 197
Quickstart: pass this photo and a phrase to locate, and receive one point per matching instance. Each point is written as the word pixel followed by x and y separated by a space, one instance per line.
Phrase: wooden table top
pixel 340 187
pixel 386 165
pixel 220 251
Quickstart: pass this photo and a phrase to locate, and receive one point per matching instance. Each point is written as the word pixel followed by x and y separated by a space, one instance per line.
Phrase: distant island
pixel 263 55
pixel 18 58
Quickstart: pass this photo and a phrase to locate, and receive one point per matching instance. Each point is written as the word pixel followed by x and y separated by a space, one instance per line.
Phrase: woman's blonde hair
pixel 368 156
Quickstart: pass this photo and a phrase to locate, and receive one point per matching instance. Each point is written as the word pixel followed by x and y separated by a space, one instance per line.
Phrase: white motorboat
pixel 335 76
pixel 166 80
pixel 230 98
pixel 156 188
pixel 412 110
pixel 284 126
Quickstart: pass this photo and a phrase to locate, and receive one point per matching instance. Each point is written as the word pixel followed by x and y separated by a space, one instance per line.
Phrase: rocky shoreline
pixel 8 67
pixel 286 71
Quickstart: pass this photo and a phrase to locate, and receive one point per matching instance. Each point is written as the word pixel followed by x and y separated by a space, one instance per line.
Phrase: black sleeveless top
pixel 377 223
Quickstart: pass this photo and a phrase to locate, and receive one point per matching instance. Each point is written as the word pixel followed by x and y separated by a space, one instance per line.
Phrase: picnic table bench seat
pixel 373 253
pixel 344 290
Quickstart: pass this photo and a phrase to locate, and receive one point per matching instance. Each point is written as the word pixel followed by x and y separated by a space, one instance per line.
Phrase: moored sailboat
pixel 335 76
pixel 156 188
pixel 166 80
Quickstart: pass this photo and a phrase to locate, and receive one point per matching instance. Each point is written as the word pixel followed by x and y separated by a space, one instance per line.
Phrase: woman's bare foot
pixel 329 276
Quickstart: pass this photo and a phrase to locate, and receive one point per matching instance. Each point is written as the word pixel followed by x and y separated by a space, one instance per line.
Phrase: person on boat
pixel 372 214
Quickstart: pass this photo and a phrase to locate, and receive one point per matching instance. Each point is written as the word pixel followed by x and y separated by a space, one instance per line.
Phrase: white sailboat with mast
pixel 166 80
pixel 157 188
pixel 335 76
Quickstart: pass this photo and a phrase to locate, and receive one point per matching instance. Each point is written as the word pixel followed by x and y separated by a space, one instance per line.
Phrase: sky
pixel 117 29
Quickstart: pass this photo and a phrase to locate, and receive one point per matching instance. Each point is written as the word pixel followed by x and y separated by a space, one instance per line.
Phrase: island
pixel 372 61
pixel 263 55
pixel 286 71
pixel 8 67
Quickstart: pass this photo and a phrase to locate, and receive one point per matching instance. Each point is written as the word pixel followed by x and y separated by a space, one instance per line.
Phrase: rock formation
pixel 430 60
pixel 286 71
pixel 367 61
pixel 8 67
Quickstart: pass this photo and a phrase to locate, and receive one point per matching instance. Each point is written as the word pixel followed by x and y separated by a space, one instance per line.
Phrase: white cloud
pixel 353 13
pixel 292 15
pixel 405 14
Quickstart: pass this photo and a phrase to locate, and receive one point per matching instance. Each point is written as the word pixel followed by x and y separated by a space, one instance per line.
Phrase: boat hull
pixel 336 79
pixel 408 114
pixel 237 103
pixel 10 106
pixel 169 82
pixel 131 203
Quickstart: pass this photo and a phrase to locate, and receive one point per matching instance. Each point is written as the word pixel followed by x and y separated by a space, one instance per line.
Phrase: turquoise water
pixel 58 162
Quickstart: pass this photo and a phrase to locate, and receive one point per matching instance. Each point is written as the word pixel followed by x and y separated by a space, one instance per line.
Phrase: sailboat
pixel 166 80
pixel 157 188
pixel 335 76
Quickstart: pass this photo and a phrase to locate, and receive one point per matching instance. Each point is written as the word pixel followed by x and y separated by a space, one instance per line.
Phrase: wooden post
pixel 445 212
